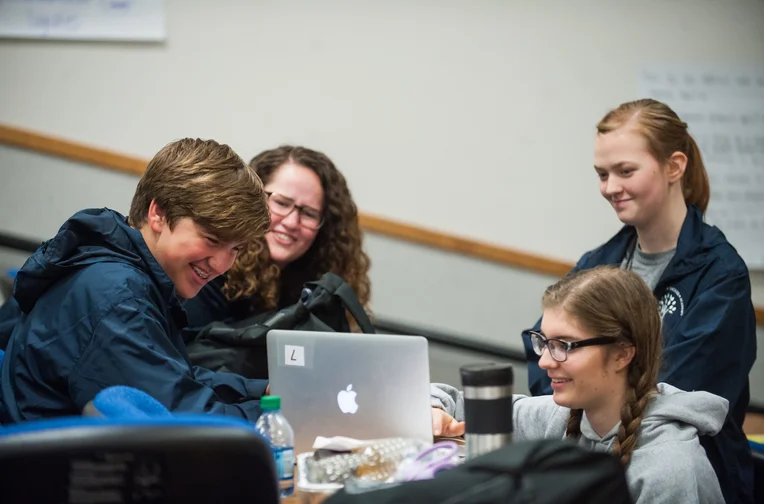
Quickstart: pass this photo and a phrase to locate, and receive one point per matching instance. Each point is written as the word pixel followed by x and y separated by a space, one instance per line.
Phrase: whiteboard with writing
pixel 724 109
pixel 129 20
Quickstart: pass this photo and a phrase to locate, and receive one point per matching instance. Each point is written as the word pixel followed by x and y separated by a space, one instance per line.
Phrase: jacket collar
pixel 161 280
pixel 690 248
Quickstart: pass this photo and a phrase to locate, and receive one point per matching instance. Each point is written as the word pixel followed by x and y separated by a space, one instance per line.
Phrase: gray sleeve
pixel 447 398
pixel 532 417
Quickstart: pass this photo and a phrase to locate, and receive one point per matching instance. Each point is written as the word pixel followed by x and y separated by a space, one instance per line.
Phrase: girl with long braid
pixel 600 343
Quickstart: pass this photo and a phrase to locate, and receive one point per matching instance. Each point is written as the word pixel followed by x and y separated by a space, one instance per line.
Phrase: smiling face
pixel 591 378
pixel 289 239
pixel 631 179
pixel 188 254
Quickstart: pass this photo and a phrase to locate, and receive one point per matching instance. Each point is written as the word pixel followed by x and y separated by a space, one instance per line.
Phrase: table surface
pixel 315 498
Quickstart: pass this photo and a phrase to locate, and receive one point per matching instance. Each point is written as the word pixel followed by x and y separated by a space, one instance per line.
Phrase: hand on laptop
pixel 445 425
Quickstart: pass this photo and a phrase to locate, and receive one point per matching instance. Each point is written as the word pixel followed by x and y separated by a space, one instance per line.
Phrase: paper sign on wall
pixel 133 20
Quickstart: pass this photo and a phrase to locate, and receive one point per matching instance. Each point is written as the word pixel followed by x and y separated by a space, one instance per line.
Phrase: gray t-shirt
pixel 649 266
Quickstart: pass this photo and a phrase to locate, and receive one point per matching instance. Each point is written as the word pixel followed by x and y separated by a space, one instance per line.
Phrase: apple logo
pixel 346 400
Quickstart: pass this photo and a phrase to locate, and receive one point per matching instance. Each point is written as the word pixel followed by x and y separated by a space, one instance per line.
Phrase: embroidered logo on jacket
pixel 671 302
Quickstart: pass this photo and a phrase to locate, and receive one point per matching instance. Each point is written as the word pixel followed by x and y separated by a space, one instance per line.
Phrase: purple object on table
pixel 439 456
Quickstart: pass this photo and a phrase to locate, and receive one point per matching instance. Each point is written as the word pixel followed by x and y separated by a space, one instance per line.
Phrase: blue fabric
pixel 125 406
pixel 127 402
pixel 709 335
pixel 211 305
pixel 74 422
pixel 9 316
pixel 97 311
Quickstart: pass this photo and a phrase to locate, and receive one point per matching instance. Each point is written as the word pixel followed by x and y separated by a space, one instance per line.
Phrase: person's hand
pixel 445 425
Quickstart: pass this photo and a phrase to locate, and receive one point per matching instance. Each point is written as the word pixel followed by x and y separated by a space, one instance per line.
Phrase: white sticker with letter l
pixel 294 355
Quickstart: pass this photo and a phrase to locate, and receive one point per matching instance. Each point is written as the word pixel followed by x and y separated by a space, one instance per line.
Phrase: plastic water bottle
pixel 273 426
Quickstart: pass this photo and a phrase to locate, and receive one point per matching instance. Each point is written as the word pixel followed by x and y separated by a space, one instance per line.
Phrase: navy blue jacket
pixel 709 335
pixel 211 305
pixel 9 315
pixel 98 311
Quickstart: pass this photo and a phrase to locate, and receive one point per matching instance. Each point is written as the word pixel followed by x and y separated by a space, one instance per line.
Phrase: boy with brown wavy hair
pixel 102 301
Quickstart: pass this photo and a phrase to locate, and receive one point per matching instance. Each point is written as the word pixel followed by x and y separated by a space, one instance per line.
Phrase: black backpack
pixel 239 347
pixel 537 472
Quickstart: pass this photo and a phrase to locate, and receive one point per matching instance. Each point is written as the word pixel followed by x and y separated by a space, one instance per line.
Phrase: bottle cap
pixel 270 403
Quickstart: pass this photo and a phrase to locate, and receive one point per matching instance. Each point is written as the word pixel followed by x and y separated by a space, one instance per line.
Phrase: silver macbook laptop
pixel 362 386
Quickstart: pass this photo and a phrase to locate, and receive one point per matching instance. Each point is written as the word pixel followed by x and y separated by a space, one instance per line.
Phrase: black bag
pixel 240 348
pixel 538 472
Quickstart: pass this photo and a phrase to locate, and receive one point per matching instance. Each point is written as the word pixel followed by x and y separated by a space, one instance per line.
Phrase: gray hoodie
pixel 668 465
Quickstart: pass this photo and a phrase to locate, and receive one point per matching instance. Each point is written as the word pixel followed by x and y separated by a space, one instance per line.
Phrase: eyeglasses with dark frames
pixel 558 349
pixel 283 206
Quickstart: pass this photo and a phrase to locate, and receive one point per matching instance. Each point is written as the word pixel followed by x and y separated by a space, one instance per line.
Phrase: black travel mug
pixel 487 392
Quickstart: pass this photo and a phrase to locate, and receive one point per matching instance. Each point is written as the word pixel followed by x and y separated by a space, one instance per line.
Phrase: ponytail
pixel 695 185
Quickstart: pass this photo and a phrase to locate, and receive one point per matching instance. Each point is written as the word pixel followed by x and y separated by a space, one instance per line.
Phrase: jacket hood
pixel 672 415
pixel 88 237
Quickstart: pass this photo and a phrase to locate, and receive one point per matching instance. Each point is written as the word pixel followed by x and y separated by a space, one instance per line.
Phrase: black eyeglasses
pixel 282 206
pixel 559 349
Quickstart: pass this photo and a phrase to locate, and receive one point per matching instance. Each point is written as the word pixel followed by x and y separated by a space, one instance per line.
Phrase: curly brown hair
pixel 337 248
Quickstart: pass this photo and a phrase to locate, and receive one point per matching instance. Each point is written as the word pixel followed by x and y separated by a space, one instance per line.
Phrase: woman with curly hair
pixel 314 230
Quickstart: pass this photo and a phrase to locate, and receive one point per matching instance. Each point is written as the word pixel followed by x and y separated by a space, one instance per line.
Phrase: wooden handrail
pixel 464 246
pixel 74 151
pixel 66 149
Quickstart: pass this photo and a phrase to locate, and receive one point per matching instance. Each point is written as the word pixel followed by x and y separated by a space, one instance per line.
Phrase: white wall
pixel 475 116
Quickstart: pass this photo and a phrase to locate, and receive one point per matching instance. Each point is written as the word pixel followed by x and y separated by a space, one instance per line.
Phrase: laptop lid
pixel 363 386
